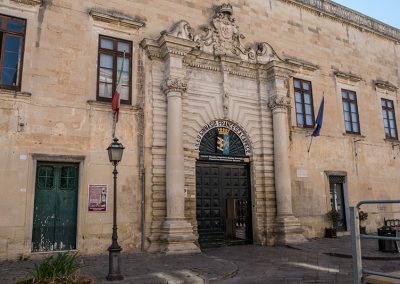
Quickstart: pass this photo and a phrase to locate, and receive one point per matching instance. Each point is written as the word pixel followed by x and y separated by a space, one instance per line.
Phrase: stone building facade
pixel 219 101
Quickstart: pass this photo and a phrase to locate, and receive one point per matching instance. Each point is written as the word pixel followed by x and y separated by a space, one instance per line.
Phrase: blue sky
pixel 387 11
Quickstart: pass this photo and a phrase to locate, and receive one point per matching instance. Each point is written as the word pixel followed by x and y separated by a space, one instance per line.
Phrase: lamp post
pixel 115 151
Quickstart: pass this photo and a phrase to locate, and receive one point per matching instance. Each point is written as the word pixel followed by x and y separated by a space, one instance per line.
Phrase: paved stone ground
pixel 306 263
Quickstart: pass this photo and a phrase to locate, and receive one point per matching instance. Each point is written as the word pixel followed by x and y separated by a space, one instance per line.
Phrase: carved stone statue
pixel 182 29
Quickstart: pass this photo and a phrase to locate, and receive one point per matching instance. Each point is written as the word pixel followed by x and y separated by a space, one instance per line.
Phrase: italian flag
pixel 116 99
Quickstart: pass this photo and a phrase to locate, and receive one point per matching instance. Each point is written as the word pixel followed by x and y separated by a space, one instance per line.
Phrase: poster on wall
pixel 97 198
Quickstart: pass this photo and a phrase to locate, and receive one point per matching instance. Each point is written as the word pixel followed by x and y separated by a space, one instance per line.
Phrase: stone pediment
pixel 222 37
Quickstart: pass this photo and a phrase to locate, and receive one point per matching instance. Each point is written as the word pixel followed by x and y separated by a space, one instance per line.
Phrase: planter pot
pixel 330 233
pixel 363 230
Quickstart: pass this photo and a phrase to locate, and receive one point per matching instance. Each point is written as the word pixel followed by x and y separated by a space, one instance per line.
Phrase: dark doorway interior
pixel 336 185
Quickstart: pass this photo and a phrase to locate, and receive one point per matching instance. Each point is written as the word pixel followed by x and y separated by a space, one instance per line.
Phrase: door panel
pixel 55 211
pixel 222 203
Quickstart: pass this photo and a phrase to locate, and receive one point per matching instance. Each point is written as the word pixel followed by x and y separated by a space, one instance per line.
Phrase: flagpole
pixel 309 146
pixel 114 126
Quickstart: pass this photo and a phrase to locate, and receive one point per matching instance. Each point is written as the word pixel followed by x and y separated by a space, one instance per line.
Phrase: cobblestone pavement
pixel 306 263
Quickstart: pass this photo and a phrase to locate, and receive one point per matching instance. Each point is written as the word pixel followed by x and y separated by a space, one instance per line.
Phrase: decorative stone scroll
pixel 279 102
pixel 174 85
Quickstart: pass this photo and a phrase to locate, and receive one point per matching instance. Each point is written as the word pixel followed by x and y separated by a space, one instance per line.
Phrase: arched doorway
pixel 223 197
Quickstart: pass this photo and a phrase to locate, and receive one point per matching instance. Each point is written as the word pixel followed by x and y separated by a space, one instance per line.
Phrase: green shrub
pixel 333 216
pixel 59 268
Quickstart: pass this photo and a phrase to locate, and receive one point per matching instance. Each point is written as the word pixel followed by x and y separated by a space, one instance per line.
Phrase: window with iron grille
pixel 304 103
pixel 389 119
pixel 350 111
pixel 111 56
pixel 12 38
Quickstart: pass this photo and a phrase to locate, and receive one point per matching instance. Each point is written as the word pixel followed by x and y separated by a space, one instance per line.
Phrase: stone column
pixel 177 233
pixel 287 227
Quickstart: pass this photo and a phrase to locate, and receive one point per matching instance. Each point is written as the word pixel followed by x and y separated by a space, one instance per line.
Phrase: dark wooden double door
pixel 55 211
pixel 223 204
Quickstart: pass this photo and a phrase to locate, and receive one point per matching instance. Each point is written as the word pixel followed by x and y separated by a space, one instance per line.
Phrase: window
pixel 304 103
pixel 350 111
pixel 389 119
pixel 111 54
pixel 12 38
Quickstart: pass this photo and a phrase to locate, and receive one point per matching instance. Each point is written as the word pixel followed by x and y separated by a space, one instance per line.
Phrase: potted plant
pixel 362 216
pixel 333 216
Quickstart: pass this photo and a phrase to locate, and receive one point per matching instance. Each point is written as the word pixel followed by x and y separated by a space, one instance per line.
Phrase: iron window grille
pixel 389 119
pixel 304 103
pixel 350 111
pixel 12 41
pixel 110 58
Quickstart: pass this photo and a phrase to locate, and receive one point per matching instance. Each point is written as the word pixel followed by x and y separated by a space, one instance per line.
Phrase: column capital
pixel 177 85
pixel 279 102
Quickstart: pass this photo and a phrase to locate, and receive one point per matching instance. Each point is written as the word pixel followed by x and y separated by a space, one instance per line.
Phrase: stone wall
pixel 55 116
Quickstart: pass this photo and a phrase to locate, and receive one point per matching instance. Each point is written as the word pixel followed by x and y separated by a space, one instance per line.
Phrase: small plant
pixel 362 216
pixel 62 268
pixel 333 216
pixel 63 265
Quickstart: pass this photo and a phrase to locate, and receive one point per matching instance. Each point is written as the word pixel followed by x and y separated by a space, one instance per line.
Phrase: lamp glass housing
pixel 115 151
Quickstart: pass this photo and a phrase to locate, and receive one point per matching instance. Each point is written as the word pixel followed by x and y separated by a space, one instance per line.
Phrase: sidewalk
pixel 317 261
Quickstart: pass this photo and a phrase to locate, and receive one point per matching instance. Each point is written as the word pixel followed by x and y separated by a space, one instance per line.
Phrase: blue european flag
pixel 320 118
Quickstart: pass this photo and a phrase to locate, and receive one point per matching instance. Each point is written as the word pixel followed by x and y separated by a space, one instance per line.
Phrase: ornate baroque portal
pixel 213 76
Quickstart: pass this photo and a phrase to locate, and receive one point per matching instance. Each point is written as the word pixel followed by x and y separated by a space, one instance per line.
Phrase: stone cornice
pixel 352 78
pixel 174 45
pixel 301 64
pixel 384 85
pixel 116 18
pixel 342 14
pixel 28 2
pixel 151 47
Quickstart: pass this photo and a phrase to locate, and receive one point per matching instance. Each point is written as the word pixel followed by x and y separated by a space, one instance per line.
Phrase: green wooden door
pixel 54 219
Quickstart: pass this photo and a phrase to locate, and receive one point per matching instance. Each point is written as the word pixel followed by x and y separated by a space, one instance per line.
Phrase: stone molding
pixel 116 18
pixel 174 46
pixel 348 16
pixel 28 2
pixel 347 77
pixel 176 85
pixel 386 86
pixel 15 94
pixel 278 102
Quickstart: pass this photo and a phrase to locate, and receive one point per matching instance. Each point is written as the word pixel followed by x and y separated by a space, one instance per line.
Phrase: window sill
pixel 28 2
pixel 307 131
pixel 14 94
pixel 107 105
pixel 355 135
pixel 391 140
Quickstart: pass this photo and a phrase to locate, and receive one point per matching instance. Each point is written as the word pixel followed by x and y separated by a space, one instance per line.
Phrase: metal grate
pixel 337 179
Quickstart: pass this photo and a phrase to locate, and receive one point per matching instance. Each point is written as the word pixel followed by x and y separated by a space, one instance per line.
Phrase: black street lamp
pixel 115 151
